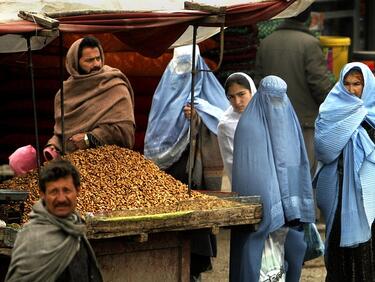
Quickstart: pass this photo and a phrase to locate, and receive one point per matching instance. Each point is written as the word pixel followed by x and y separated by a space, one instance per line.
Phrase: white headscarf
pixel 227 126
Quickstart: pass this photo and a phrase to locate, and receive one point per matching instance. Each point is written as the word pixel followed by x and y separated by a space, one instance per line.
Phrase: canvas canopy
pixel 148 27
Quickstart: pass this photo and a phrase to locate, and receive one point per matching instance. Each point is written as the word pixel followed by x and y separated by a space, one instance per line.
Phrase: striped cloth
pixel 339 131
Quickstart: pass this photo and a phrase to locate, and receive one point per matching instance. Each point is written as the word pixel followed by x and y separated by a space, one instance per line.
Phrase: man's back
pixel 295 55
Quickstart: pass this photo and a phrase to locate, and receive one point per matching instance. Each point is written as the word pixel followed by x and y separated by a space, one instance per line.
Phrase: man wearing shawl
pixel 98 102
pixel 53 246
pixel 345 182
pixel 270 160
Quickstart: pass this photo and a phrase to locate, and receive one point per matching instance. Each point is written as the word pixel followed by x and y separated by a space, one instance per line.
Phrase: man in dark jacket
pixel 294 54
pixel 52 246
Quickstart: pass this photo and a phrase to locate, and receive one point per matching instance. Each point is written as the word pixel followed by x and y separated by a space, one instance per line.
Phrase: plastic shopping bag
pixel 272 268
pixel 315 245
pixel 23 160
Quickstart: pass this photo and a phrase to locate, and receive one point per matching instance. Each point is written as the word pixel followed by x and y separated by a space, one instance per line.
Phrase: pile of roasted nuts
pixel 119 179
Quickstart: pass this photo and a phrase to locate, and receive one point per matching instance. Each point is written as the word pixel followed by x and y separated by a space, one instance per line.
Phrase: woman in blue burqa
pixel 167 134
pixel 345 182
pixel 167 137
pixel 270 160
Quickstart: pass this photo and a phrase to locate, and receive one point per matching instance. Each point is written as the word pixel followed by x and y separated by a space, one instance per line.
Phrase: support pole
pixel 61 46
pixel 193 73
pixel 31 70
pixel 221 54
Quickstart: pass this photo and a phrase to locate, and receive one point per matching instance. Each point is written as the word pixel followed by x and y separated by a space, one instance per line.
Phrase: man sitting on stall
pixel 52 246
pixel 98 103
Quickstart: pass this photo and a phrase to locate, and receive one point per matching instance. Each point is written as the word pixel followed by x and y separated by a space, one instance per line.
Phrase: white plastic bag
pixel 272 268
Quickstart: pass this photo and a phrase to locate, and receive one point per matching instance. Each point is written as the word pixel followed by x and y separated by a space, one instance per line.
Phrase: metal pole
pixel 31 70
pixel 193 73
pixel 221 54
pixel 356 46
pixel 370 19
pixel 62 92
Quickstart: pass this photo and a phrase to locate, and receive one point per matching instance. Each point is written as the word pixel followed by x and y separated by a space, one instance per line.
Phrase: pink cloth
pixel 23 160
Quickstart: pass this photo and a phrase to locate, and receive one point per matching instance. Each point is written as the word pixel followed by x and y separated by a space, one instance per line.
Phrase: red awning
pixel 19 27
pixel 151 33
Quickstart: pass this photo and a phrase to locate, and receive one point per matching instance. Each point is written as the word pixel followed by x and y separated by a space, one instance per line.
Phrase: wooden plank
pixel 49 32
pixel 215 230
pixel 246 212
pixel 164 257
pixel 216 18
pixel 6 251
pixel 141 238
pixel 92 12
pixel 242 215
pixel 40 19
pixel 204 7
pixel 212 20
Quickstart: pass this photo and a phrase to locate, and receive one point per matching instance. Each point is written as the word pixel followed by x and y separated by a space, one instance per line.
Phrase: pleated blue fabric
pixel 167 130
pixel 339 130
pixel 269 160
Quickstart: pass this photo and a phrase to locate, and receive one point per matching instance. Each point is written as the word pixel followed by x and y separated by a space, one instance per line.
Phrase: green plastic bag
pixel 315 245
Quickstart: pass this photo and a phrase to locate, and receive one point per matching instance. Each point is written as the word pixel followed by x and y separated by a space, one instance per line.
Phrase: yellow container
pixel 335 49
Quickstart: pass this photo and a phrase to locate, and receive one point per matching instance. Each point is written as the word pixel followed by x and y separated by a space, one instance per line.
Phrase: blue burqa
pixel 338 130
pixel 167 133
pixel 270 160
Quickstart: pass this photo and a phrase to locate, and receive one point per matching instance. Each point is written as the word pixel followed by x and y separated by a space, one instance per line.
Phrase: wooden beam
pixel 241 214
pixel 49 32
pixel 204 7
pixel 141 238
pixel 212 20
pixel 40 19
pixel 215 230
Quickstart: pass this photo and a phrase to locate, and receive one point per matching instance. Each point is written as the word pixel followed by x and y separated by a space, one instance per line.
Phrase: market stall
pixel 150 241
pixel 142 219
pixel 137 33
pixel 153 247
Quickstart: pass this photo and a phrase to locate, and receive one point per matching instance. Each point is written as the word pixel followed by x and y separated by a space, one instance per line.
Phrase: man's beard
pixel 95 69
pixel 82 71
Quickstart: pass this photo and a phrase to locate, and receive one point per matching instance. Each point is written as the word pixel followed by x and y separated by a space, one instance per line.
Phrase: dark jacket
pixel 82 268
pixel 294 54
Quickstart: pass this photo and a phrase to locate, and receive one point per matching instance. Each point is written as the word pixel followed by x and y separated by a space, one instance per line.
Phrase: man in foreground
pixel 52 246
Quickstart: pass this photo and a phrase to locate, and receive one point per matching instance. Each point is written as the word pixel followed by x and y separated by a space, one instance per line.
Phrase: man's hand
pixel 79 141
pixel 188 111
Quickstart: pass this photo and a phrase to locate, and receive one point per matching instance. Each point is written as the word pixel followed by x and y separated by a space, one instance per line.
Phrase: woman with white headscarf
pixel 345 149
pixel 239 88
